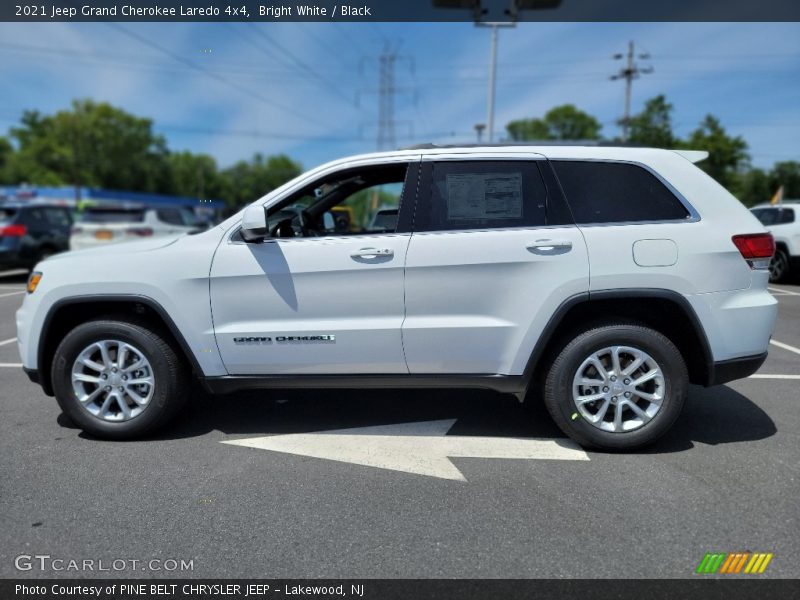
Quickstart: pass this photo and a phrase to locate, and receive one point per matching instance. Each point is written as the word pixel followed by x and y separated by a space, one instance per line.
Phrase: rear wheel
pixel 616 387
pixel 118 380
pixel 778 266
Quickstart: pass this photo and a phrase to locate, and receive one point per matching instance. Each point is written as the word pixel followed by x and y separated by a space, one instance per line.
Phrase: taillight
pixel 140 231
pixel 13 231
pixel 756 248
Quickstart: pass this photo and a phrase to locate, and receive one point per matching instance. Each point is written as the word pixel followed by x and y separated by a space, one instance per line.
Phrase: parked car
pixel 107 224
pixel 782 221
pixel 601 281
pixel 30 233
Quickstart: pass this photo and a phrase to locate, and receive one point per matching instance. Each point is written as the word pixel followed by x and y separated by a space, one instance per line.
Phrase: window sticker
pixel 484 196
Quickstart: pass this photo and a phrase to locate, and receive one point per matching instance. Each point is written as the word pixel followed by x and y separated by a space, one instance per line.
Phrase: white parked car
pixel 101 225
pixel 599 280
pixel 783 221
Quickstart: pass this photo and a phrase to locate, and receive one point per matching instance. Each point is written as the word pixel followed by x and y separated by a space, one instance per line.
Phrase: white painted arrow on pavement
pixel 422 448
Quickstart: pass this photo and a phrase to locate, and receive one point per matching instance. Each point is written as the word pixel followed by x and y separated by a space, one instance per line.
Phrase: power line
pixel 329 85
pixel 213 75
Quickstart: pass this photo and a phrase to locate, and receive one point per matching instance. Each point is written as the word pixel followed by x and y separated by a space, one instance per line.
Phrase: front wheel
pixel 616 387
pixel 118 380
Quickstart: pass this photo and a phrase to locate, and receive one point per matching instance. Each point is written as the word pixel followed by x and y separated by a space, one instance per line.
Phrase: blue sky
pixel 308 89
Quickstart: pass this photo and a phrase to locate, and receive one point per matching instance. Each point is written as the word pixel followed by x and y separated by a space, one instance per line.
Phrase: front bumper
pixel 736 368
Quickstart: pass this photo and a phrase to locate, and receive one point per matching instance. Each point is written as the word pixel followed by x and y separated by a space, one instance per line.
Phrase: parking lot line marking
pixel 782 291
pixel 785 346
pixel 10 365
pixel 12 294
pixel 768 376
pixel 11 272
pixel 11 341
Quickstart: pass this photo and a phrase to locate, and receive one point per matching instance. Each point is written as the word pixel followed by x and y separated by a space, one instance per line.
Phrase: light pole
pixel 492 76
pixel 515 7
pixel 479 127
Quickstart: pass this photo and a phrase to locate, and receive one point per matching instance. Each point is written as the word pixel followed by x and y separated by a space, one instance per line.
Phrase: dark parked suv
pixel 31 232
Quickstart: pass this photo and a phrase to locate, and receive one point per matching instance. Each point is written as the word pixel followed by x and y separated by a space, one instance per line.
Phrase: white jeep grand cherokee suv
pixel 601 280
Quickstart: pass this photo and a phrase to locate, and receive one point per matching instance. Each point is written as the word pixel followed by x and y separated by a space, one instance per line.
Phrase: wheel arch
pixel 664 310
pixel 67 313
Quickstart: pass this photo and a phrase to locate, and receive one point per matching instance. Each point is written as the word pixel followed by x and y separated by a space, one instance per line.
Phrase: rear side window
pixel 172 216
pixel 482 195
pixel 112 216
pixel 57 217
pixel 774 216
pixel 609 192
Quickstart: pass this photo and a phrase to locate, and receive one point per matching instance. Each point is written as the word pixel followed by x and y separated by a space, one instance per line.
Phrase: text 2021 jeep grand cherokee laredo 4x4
pixel 603 280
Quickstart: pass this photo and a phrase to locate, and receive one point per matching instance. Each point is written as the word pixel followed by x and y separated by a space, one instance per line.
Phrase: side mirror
pixel 254 224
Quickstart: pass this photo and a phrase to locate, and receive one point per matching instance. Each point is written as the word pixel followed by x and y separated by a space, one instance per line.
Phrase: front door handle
pixel 372 253
pixel 550 247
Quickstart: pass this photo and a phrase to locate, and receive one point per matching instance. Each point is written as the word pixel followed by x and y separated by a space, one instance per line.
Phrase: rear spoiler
pixel 694 156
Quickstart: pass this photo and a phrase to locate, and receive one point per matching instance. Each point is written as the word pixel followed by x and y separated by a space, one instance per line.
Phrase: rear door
pixel 493 255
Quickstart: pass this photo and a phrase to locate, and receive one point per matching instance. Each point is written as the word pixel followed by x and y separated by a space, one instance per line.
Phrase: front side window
pixel 467 195
pixel 353 202
pixel 611 192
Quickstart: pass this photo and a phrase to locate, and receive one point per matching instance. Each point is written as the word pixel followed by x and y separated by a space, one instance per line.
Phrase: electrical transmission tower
pixel 629 72
pixel 386 92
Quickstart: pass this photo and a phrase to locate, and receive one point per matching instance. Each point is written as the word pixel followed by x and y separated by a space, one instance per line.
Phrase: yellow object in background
pixel 778 197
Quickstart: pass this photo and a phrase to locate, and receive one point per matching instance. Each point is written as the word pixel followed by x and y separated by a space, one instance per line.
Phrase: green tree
pixel 6 150
pixel 565 122
pixel 249 180
pixel 727 155
pixel 786 174
pixel 653 126
pixel 753 187
pixel 194 175
pixel 91 144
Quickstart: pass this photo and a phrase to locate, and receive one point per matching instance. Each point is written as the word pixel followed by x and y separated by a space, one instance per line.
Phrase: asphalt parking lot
pixel 725 479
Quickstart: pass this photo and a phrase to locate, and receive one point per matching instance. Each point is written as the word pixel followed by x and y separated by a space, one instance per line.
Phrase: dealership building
pixel 80 197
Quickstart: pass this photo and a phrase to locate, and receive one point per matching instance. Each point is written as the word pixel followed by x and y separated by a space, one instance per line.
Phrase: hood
pixel 120 248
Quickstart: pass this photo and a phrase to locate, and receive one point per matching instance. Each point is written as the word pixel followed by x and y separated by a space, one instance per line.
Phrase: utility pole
pixel 629 72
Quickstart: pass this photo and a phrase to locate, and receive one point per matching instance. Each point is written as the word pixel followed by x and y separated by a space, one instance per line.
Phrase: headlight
pixel 33 281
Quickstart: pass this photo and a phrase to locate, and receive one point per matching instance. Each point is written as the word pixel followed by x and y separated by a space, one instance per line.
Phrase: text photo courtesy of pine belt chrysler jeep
pixel 600 280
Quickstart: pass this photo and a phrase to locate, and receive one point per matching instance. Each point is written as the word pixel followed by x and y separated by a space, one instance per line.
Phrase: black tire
pixel 558 389
pixel 171 380
pixel 779 266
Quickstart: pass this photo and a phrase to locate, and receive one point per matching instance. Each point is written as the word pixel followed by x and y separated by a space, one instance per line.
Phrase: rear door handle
pixel 550 247
pixel 372 253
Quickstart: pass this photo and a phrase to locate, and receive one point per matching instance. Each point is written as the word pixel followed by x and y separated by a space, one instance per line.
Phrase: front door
pixel 325 295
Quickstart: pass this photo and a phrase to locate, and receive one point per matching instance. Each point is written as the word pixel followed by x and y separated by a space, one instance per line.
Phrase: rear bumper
pixel 736 368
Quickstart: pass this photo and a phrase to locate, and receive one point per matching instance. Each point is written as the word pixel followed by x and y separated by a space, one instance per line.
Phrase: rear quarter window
pixel 112 216
pixel 611 192
pixel 7 214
